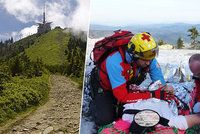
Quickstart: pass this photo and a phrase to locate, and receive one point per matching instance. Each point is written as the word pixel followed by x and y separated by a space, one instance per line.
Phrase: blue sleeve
pixel 114 70
pixel 155 72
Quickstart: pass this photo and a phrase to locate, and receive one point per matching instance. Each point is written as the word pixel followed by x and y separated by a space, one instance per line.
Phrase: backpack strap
pixel 121 50
pixel 123 53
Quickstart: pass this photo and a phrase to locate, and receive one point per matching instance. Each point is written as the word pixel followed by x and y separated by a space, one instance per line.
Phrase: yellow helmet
pixel 143 46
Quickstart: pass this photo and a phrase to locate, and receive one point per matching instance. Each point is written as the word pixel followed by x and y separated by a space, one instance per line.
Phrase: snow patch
pixel 169 60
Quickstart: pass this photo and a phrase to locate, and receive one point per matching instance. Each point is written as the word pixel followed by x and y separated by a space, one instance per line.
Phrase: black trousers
pixel 104 108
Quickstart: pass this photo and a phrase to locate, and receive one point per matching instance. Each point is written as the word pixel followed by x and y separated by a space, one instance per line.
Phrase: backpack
pixel 115 42
pixel 109 44
pixel 100 52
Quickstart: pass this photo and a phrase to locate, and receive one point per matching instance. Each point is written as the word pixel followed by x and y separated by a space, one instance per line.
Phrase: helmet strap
pixel 133 57
pixel 131 54
pixel 131 49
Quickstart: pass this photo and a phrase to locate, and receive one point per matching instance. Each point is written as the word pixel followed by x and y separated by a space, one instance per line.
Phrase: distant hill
pixel 60 50
pixel 25 67
pixel 167 32
pixel 51 47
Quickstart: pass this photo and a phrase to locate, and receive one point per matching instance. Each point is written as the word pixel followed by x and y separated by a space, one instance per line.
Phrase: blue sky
pixel 126 12
pixel 19 18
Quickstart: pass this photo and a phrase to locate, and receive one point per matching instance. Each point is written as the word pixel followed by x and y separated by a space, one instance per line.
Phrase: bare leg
pixel 193 119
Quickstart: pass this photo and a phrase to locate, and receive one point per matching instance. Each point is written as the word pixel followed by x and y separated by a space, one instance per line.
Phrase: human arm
pixel 118 76
pixel 192 119
pixel 184 122
pixel 155 72
pixel 197 90
pixel 122 94
pixel 196 108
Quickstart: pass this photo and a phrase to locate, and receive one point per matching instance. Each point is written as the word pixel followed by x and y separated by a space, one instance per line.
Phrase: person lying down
pixel 159 106
pixel 171 110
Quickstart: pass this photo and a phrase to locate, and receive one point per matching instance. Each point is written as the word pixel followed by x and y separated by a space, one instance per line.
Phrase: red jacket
pixel 121 92
pixel 197 90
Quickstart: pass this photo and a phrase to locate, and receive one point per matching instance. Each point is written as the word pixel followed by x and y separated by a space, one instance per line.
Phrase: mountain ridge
pixel 167 32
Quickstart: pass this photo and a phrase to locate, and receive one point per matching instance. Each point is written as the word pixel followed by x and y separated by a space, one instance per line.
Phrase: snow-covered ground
pixel 169 61
pixel 166 46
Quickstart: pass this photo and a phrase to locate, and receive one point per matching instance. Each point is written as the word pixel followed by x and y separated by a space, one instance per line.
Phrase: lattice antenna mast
pixel 44 19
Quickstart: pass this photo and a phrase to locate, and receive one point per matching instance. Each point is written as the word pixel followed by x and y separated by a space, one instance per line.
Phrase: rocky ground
pixel 59 115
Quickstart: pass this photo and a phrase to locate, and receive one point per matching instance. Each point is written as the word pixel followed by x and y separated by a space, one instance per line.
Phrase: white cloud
pixel 56 13
pixel 120 13
pixel 60 12
pixel 15 35
pixel 80 18
pixel 28 31
pixel 21 34
pixel 23 10
pixel 63 13
pixel 64 17
pixel 4 37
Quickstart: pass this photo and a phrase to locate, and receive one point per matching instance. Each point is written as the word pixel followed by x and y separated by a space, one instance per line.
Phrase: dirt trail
pixel 59 115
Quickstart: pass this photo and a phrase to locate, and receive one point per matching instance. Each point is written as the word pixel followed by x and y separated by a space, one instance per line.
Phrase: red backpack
pixel 101 50
pixel 109 44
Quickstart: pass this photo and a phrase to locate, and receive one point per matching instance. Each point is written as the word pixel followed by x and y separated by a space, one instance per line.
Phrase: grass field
pixel 21 93
pixel 50 47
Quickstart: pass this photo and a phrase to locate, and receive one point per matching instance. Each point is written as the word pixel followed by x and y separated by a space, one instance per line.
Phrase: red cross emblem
pixel 145 37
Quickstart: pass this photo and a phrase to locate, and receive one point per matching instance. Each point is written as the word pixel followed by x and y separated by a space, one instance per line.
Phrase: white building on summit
pixel 44 27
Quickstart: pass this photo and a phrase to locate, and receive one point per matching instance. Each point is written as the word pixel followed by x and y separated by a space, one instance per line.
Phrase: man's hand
pixel 164 93
pixel 169 90
pixel 136 88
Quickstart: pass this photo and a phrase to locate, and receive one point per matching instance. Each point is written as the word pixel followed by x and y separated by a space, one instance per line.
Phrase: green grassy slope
pixel 27 84
pixel 20 93
pixel 50 47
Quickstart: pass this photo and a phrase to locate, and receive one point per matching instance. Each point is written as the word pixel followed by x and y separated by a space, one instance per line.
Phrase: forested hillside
pixel 25 67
